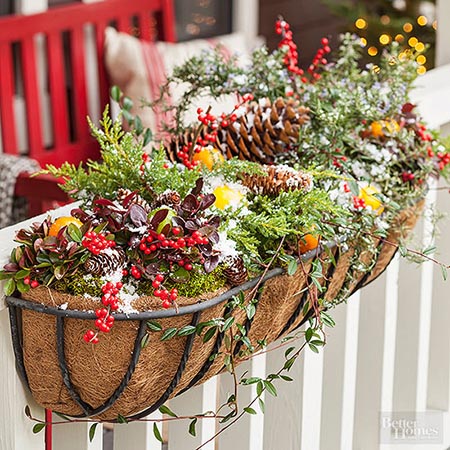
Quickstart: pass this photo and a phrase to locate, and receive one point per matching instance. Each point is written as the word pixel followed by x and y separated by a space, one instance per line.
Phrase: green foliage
pixel 120 167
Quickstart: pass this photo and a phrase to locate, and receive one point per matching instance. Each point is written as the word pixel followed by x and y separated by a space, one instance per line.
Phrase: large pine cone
pixel 278 179
pixel 264 131
pixel 106 263
pixel 235 271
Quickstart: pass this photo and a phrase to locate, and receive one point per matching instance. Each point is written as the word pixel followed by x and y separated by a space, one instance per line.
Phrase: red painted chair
pixel 56 39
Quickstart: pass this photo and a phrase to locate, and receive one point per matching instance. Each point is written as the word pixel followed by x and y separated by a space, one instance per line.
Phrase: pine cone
pixel 278 179
pixel 235 271
pixel 169 198
pixel 106 263
pixel 264 131
pixel 122 194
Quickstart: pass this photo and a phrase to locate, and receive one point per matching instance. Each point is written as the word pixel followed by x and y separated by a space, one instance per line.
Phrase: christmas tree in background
pixel 411 23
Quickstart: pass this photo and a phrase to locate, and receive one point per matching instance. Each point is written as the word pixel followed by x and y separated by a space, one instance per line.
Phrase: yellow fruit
pixel 209 157
pixel 308 242
pixel 61 222
pixel 226 196
pixel 367 194
pixel 379 127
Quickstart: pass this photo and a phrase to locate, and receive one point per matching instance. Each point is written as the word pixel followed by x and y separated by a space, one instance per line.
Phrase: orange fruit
pixel 308 242
pixel 209 157
pixel 226 196
pixel 379 127
pixel 61 222
pixel 367 194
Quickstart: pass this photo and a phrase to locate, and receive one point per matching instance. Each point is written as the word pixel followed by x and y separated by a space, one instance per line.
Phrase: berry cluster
pixel 319 58
pixel 97 242
pixel 211 123
pixel 105 319
pixel 444 159
pixel 422 133
pixel 358 202
pixel 291 57
pixel 407 177
pixel 33 283
pixel 167 297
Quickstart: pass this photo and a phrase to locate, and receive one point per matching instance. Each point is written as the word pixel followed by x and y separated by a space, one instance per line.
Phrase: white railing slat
pixel 312 399
pixel 190 403
pixel 390 334
pixel 256 431
pixel 283 417
pixel 369 369
pixel 137 435
pixel 75 436
pixel 426 295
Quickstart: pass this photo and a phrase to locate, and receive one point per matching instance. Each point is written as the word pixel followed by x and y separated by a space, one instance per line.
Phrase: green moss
pixel 77 284
pixel 199 283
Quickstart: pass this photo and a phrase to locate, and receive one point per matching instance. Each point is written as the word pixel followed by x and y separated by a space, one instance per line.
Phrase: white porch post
pixel 443 32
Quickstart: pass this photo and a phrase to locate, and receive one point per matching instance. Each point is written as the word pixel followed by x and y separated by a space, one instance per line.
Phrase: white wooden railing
pixel 390 351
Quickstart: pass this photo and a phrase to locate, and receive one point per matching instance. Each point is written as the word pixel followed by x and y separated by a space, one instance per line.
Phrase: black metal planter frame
pixel 17 304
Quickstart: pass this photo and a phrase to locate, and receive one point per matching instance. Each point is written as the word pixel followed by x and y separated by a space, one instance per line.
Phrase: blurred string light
pixel 421 59
pixel 407 27
pixel 360 23
pixel 422 21
pixel 385 39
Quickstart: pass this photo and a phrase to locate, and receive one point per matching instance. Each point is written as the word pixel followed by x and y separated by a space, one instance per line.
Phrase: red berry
pixel 159 277
pixel 166 304
pixel 188 266
pixel 26 280
pixel 176 231
pixel 155 284
pixel 325 41
pixel 34 284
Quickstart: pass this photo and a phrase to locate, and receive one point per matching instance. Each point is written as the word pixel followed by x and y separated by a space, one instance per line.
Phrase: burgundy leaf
pixel 207 201
pixel 103 202
pixel 179 222
pixel 407 108
pixel 190 203
pixel 211 263
pixel 127 200
pixel 206 249
pixel 207 230
pixel 198 187
pixel 215 221
pixel 11 267
pixel 152 269
pixel 214 237
pixel 159 217
pixel 191 225
pixel 138 215
pixel 134 241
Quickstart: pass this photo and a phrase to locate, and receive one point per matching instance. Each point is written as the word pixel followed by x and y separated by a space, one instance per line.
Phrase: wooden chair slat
pixel 79 94
pixel 102 75
pixel 145 27
pixel 32 99
pixel 8 123
pixel 58 93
